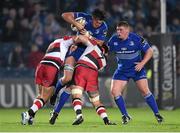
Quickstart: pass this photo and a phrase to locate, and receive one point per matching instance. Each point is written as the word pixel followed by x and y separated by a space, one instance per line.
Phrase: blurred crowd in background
pixel 28 26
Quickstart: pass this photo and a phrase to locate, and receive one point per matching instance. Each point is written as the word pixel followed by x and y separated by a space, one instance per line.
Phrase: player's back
pixel 93 57
pixel 56 52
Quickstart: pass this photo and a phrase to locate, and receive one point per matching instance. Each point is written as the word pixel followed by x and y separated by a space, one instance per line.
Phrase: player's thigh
pixel 70 60
pixel 46 75
pixel 117 87
pixel 142 85
pixel 68 74
pixel 80 75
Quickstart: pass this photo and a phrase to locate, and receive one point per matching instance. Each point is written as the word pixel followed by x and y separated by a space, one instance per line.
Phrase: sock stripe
pixel 100 107
pixel 39 103
pixel 100 111
pixel 77 101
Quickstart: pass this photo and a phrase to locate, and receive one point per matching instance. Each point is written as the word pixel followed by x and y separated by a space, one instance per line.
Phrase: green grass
pixel 143 121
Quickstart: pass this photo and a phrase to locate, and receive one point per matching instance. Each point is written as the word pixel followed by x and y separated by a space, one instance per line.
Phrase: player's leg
pixel 142 85
pixel 100 108
pixel 67 77
pixel 117 87
pixel 77 92
pixel 63 98
pixel 45 78
pixel 27 117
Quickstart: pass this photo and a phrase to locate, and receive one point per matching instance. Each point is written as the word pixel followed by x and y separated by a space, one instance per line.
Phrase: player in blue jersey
pixel 95 29
pixel 128 47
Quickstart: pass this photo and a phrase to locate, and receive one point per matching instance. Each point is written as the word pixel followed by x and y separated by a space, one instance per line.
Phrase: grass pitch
pixel 143 121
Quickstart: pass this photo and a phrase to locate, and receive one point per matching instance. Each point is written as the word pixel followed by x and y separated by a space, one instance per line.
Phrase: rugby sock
pixel 62 100
pixel 121 105
pixel 59 86
pixel 37 104
pixel 150 100
pixel 101 111
pixel 77 103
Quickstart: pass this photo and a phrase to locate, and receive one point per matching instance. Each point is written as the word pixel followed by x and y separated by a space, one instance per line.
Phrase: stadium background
pixel 28 26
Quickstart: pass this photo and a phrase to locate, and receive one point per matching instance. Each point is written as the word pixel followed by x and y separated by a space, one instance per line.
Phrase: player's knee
pixel 115 92
pixel 145 92
pixel 95 99
pixel 76 91
pixel 66 79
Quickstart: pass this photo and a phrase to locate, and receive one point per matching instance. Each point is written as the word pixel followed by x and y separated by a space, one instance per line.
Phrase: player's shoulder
pixel 58 40
pixel 104 25
pixel 83 14
pixel 136 37
pixel 114 37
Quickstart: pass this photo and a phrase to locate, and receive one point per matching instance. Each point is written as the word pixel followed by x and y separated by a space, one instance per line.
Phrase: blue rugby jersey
pixel 128 51
pixel 98 33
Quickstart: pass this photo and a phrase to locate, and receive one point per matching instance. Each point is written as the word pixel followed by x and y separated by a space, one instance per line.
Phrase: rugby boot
pixel 78 120
pixel 159 118
pixel 126 119
pixel 53 118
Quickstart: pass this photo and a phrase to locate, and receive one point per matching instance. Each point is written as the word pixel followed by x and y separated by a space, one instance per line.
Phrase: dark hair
pixel 98 14
pixel 123 23
pixel 105 48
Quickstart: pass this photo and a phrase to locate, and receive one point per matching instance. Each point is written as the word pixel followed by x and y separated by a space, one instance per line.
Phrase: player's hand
pixel 73 48
pixel 139 66
pixel 80 27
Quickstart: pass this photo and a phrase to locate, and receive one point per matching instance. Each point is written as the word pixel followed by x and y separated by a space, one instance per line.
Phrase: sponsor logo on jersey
pixel 123 49
pixel 97 31
pixel 115 43
pixel 131 43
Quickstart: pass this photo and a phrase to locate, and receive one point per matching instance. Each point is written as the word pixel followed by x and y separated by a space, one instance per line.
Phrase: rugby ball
pixel 80 20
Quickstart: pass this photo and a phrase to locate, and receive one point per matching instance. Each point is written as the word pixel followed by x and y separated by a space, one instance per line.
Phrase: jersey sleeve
pixel 143 44
pixel 68 42
pixel 102 35
pixel 110 44
pixel 80 14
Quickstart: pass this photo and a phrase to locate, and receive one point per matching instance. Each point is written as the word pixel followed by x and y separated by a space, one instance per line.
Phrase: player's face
pixel 96 22
pixel 122 32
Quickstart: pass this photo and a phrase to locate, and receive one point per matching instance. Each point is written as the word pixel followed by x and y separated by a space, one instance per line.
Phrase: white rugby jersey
pixel 56 52
pixel 93 57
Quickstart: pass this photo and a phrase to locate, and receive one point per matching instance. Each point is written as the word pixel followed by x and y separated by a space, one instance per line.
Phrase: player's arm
pixel 146 58
pixel 100 38
pixel 82 39
pixel 69 17
pixel 98 41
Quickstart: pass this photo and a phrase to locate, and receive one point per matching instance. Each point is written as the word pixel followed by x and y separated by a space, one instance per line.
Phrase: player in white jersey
pixel 46 74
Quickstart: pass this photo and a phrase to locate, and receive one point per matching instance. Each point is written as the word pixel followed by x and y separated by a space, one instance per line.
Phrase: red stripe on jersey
pixel 56 45
pixel 100 111
pixel 67 37
pixel 95 55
